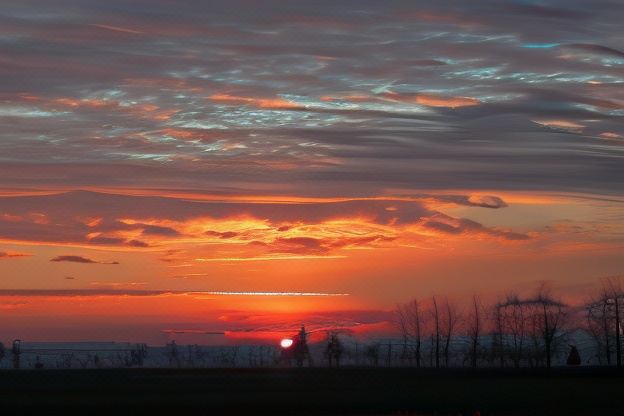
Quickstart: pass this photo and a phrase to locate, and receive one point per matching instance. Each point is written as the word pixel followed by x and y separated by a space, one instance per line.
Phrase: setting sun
pixel 286 343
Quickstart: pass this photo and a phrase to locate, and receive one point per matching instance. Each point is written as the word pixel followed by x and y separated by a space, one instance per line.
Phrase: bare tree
pixel 410 323
pixel 172 354
pixel 372 353
pixel 513 331
pixel 497 348
pixel 417 325
pixel 451 318
pixel 402 319
pixel 614 290
pixel 599 326
pixel 604 319
pixel 540 319
pixel 553 314
pixel 436 334
pixel 334 349
pixel 475 329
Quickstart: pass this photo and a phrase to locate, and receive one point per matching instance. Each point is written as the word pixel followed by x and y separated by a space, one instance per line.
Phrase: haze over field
pixel 226 167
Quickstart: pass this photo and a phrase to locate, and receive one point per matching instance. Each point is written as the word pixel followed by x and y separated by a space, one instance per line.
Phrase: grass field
pixel 582 391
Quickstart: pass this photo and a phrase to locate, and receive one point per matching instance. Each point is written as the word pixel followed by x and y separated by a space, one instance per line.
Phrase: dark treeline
pixel 538 330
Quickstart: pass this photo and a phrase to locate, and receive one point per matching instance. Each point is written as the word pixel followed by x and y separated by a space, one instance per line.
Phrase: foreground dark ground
pixel 582 391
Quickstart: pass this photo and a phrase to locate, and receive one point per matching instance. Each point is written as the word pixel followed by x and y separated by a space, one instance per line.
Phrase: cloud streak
pixel 12 255
pixel 143 293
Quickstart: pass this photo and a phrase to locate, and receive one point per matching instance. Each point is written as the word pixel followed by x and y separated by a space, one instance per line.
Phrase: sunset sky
pixel 228 166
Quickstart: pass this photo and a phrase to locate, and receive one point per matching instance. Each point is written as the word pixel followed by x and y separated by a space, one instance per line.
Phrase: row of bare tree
pixel 514 331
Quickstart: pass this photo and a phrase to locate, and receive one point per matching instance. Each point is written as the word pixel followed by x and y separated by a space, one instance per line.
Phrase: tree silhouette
pixel 475 329
pixel 334 349
pixel 553 314
pixel 372 354
pixel 436 336
pixel 616 296
pixel 511 316
pixel 541 319
pixel 604 320
pixel 411 326
pixel 450 321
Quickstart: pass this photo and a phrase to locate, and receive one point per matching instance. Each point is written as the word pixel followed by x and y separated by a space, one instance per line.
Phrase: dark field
pixel 315 391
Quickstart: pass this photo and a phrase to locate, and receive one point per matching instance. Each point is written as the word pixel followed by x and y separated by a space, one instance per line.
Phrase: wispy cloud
pixel 117 28
pixel 338 100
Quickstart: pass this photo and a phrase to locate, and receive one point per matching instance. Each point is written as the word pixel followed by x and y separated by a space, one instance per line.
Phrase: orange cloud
pixel 268 103
pixel 92 221
pixel 189 134
pixel 433 100
pixel 560 124
pixel 351 97
pixel 143 110
pixel 33 217
pixel 86 102
pixel 428 100
pixel 256 229
pixel 611 135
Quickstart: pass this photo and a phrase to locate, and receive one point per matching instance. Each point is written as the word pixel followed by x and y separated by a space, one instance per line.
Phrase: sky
pixel 228 170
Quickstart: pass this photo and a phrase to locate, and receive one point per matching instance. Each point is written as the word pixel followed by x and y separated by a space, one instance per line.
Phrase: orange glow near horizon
pixel 255 273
